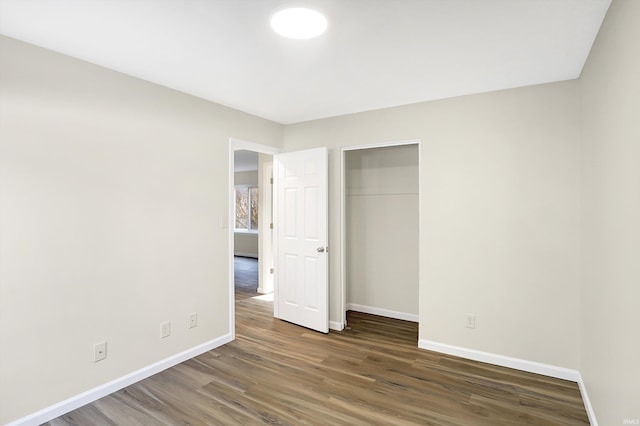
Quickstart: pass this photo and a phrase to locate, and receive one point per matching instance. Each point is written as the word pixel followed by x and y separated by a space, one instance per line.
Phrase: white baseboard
pixel 242 254
pixel 587 401
pixel 504 361
pixel 518 364
pixel 382 312
pixel 91 395
pixel 335 325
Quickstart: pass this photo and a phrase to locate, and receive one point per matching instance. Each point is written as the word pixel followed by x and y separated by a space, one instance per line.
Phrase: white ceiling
pixel 375 53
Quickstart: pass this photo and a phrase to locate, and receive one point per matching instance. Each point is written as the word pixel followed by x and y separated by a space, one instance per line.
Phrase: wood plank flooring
pixel 370 374
pixel 246 276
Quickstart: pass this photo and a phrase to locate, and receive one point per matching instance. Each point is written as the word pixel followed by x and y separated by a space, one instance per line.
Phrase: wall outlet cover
pixel 165 329
pixel 471 321
pixel 99 351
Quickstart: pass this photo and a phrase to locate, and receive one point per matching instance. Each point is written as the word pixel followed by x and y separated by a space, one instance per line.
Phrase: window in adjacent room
pixel 247 208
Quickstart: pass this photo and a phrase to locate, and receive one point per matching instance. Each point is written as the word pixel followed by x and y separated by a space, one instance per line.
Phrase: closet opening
pixel 381 230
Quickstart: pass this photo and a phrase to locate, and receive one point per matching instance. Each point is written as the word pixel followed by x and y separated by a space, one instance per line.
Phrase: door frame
pixel 236 145
pixel 343 277
pixel 265 224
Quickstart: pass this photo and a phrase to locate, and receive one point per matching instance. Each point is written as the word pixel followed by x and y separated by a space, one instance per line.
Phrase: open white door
pixel 301 222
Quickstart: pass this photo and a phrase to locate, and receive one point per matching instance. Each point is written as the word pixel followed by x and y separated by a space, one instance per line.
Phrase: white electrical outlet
pixel 99 351
pixel 165 329
pixel 193 320
pixel 471 321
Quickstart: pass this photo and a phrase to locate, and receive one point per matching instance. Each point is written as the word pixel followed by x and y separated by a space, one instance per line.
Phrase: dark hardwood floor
pixel 372 373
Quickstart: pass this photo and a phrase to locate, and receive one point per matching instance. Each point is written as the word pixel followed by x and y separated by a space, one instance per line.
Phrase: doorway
pixel 250 239
pixel 381 232
pixel 249 206
pixel 301 183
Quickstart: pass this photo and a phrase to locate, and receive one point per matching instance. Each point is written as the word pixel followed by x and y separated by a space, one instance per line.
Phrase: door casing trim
pixel 340 325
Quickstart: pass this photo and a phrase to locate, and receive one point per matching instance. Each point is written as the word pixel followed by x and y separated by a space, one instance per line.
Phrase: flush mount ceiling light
pixel 299 23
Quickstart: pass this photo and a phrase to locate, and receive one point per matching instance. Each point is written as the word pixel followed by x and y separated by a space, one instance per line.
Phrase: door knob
pixel 320 249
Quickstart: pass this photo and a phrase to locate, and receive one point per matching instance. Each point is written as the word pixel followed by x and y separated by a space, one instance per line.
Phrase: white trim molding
pixel 243 254
pixel 502 360
pixel 518 364
pixel 336 325
pixel 382 312
pixel 343 273
pixel 98 392
pixel 380 144
pixel 587 402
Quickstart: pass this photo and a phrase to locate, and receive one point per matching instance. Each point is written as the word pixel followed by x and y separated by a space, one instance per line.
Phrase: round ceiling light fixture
pixel 298 23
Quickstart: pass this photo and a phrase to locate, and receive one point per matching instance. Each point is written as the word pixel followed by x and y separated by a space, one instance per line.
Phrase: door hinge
pixel 271 271
pixel 271 226
pixel 271 181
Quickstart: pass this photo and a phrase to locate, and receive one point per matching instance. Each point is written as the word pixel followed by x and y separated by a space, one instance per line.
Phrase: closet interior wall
pixel 382 230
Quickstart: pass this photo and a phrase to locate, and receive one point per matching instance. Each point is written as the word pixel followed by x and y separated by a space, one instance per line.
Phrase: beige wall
pixel 610 352
pixel 246 178
pixel 245 244
pixel 112 192
pixel 381 240
pixel 499 214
